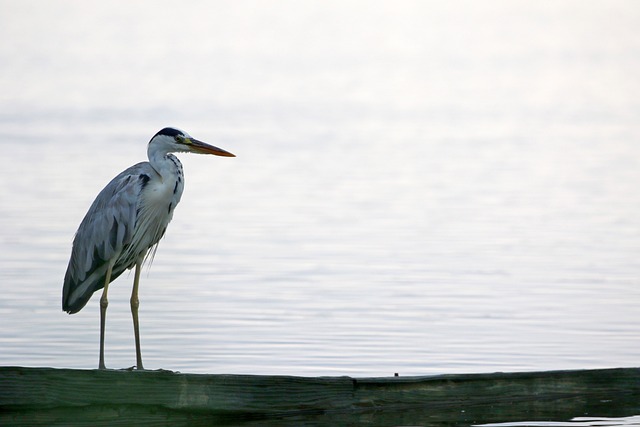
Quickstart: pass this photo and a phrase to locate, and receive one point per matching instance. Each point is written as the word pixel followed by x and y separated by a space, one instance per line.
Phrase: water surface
pixel 420 187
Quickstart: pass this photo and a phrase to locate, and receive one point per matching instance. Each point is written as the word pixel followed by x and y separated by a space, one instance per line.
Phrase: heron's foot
pixel 133 368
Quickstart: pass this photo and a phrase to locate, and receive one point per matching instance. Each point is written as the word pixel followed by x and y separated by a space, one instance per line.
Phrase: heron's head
pixel 172 140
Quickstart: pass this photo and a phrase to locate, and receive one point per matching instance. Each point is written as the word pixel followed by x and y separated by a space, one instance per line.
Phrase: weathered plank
pixel 51 388
pixel 47 396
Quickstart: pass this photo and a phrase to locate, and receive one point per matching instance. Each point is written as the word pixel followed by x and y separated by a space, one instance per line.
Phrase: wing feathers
pixel 104 235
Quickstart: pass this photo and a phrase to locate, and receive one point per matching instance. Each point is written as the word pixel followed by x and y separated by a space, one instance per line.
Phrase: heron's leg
pixel 104 302
pixel 135 303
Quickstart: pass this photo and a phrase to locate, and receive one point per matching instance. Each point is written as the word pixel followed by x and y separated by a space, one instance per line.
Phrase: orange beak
pixel 204 148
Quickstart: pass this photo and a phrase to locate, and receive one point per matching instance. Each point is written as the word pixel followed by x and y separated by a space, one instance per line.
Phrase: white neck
pixel 164 163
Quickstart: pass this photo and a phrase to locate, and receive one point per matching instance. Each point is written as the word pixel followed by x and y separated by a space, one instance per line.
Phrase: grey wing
pixel 105 231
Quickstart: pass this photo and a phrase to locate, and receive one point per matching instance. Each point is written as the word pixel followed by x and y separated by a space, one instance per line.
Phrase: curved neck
pixel 162 161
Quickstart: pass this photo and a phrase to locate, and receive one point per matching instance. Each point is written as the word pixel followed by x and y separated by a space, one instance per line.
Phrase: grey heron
pixel 125 223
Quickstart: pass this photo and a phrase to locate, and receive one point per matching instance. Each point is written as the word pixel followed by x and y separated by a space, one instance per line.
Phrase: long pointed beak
pixel 204 148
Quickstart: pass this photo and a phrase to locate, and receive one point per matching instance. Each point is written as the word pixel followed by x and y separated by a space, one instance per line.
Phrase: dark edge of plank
pixel 492 388
pixel 95 394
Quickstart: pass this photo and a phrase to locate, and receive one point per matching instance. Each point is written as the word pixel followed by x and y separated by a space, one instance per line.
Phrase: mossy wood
pixel 47 396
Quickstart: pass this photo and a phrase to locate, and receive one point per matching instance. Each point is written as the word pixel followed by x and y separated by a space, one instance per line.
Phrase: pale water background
pixel 421 187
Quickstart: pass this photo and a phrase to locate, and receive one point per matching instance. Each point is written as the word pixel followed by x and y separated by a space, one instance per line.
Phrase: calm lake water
pixel 575 422
pixel 420 187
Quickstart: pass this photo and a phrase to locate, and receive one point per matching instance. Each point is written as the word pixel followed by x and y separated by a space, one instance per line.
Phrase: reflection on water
pixel 419 188
pixel 575 422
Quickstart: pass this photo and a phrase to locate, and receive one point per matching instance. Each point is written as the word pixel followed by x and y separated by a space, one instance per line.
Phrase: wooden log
pixel 48 396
